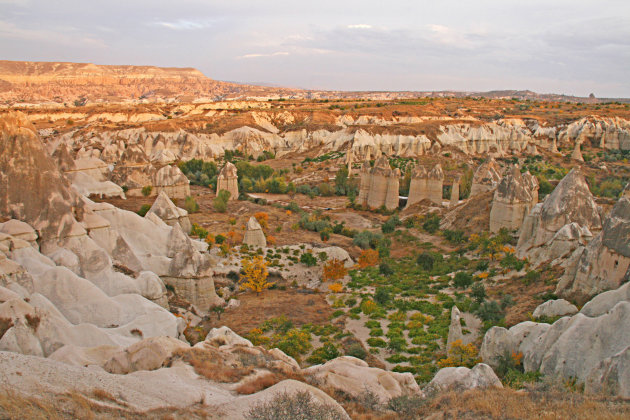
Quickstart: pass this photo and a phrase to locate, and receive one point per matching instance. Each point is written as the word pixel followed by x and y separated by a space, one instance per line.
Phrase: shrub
pixel 308 259
pixel 197 230
pixel 382 295
pixel 462 279
pixel 334 270
pixel 376 342
pixel 455 236
pixel 191 205
pixel 255 274
pixel 327 352
pixel 385 269
pixel 460 355
pixel 368 258
pixel 356 350
pixel 390 225
pixel 431 223
pixel 407 406
pixel 220 202
pixel 146 191
pixel 293 406
pixel 368 306
pixel 490 311
pixel 335 287
pixel 144 210
pixel 426 261
pixel 478 292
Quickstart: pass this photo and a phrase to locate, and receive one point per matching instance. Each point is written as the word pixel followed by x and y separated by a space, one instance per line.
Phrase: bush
pixel 462 279
pixel 426 261
pixel 321 355
pixel 385 269
pixel 144 210
pixel 455 236
pixel 191 205
pixel 293 406
pixel 431 223
pixel 382 296
pixel 390 225
pixel 146 191
pixel 356 350
pixel 308 259
pixel 407 406
pixel 478 292
pixel 220 202
pixel 367 239
pixel 490 311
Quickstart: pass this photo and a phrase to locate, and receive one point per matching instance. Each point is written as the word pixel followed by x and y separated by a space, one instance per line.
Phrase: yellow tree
pixel 255 274
pixel 368 257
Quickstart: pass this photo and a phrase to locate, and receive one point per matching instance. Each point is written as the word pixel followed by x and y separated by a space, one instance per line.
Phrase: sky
pixel 575 47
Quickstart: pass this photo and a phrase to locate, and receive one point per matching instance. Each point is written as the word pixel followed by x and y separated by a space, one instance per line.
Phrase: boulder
pixel 254 235
pixel 224 336
pixel 481 376
pixel 555 308
pixel 353 376
pixel 605 301
pixel 148 354
pixel 611 376
pixel 497 343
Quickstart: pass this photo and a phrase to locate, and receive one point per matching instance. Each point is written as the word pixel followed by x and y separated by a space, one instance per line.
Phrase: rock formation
pixel 379 185
pixel 455 192
pixel 172 181
pixel 426 185
pixel 563 222
pixel 164 208
pixel 254 235
pixel 513 199
pixel 589 346
pixel 353 376
pixel 554 308
pixel 604 263
pixel 609 133
pixel 228 180
pixel 486 177
pixel 462 378
pixel 577 153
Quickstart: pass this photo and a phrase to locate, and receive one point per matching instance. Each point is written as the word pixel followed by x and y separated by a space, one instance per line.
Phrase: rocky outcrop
pixel 455 192
pixel 379 185
pixel 353 376
pixel 604 263
pixel 513 199
pixel 455 328
pixel 609 133
pixel 566 220
pixel 254 235
pixel 164 208
pixel 481 376
pixel 577 153
pixel 228 180
pixel 486 177
pixel 426 185
pixel 172 181
pixel 555 308
pixel 578 346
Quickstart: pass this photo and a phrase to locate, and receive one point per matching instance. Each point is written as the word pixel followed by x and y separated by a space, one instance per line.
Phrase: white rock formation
pixel 481 376
pixel 228 180
pixel 254 235
pixel 554 308
pixel 164 208
pixel 513 199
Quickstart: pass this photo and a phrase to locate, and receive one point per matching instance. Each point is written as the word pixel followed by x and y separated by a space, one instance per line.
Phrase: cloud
pixel 275 54
pixel 185 24
pixel 359 26
pixel 66 36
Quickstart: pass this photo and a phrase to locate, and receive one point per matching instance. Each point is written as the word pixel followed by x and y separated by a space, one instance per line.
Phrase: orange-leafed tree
pixel 263 219
pixel 335 287
pixel 334 270
pixel 255 274
pixel 368 258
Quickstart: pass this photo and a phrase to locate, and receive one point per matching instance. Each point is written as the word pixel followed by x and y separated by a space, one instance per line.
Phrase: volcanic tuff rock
pixel 172 181
pixel 426 185
pixel 462 378
pixel 379 185
pixel 228 180
pixel 578 346
pixel 605 262
pixel 609 133
pixel 254 235
pixel 486 177
pixel 564 221
pixel 553 308
pixel 354 376
pixel 164 208
pixel 513 199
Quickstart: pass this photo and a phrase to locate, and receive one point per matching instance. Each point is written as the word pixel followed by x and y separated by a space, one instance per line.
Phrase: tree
pixel 334 270
pixel 460 354
pixel 146 191
pixel 368 258
pixel 262 218
pixel 218 310
pixel 254 274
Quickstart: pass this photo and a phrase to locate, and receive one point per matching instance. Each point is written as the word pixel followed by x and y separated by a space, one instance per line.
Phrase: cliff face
pixel 67 82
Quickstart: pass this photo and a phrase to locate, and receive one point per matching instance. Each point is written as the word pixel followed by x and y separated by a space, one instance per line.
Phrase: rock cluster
pixel 426 185
pixel 591 346
pixel 164 208
pixel 486 177
pixel 513 199
pixel 566 220
pixel 228 180
pixel 604 263
pixel 379 185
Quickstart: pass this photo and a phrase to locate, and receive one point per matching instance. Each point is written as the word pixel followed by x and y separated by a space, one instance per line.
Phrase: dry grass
pixel 213 364
pixel 74 405
pixel 300 308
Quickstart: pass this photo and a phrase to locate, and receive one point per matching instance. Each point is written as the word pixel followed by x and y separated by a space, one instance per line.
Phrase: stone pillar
pixel 364 186
pixel 228 180
pixel 393 185
pixel 435 181
pixel 455 192
pixel 418 185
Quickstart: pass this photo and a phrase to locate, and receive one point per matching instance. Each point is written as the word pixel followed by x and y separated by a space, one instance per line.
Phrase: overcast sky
pixel 549 46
